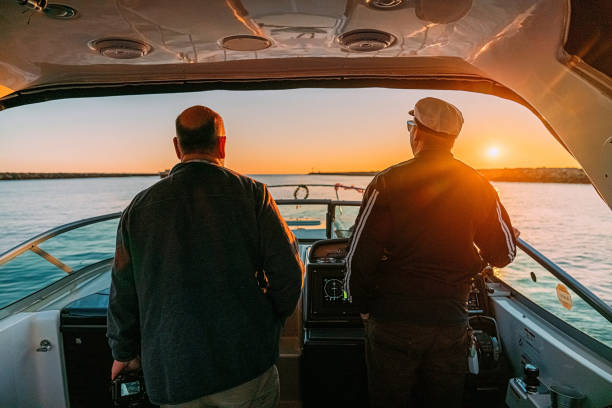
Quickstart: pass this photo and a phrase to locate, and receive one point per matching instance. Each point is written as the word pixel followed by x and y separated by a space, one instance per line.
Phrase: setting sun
pixel 493 152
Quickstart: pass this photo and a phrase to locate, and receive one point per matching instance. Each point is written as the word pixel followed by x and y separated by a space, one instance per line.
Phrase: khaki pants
pixel 401 355
pixel 260 392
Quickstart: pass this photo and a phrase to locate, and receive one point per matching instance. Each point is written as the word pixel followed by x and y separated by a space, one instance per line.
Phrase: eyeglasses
pixel 410 124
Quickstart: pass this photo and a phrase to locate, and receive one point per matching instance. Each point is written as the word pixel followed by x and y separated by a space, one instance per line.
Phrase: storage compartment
pixel 334 369
pixel 87 355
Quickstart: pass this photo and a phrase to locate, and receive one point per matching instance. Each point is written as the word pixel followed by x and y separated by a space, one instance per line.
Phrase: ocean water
pixel 568 223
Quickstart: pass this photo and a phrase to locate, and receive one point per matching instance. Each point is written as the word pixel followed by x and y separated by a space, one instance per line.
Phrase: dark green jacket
pixel 184 292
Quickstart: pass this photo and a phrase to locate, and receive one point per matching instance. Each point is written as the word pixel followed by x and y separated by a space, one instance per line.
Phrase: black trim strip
pixel 449 82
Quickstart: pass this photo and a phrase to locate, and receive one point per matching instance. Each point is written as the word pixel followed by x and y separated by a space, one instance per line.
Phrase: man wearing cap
pixel 425 228
pixel 188 293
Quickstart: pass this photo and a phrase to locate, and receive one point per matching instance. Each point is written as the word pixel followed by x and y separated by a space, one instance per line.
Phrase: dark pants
pixel 400 356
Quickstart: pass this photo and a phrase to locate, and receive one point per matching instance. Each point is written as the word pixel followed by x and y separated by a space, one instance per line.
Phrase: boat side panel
pixel 31 378
pixel 527 338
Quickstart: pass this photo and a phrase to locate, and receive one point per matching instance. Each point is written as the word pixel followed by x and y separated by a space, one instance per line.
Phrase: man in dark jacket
pixel 205 273
pixel 425 228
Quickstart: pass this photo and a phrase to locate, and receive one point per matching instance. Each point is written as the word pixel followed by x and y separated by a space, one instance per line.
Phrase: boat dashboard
pixel 325 297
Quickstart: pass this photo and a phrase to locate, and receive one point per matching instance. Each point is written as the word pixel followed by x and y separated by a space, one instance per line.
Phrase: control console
pixel 326 301
pixel 334 336
pixel 333 332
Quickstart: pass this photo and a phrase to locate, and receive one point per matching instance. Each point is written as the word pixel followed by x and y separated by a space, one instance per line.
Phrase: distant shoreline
pixel 524 175
pixel 51 176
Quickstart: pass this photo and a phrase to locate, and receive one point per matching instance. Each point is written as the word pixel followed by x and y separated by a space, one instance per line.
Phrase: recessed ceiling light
pixel 366 40
pixel 120 48
pixel 60 11
pixel 245 43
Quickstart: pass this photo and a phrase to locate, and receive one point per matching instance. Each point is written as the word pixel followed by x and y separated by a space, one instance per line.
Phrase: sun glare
pixel 493 152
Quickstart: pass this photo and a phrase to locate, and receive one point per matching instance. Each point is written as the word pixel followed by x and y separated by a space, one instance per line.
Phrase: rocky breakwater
pixel 38 176
pixel 525 175
pixel 537 175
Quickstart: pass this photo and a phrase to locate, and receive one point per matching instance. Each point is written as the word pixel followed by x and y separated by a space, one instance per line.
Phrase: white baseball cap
pixel 438 116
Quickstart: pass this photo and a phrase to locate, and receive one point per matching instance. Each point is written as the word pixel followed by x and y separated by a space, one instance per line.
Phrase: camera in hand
pixel 128 390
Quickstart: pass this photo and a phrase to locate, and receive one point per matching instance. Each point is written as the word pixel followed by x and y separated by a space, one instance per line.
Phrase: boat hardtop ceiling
pixel 525 50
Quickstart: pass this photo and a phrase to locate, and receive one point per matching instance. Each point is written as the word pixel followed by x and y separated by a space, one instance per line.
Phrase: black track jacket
pixel 184 293
pixel 425 227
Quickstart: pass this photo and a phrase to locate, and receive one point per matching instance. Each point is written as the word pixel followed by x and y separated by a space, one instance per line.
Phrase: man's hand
pixel 364 316
pixel 516 232
pixel 119 366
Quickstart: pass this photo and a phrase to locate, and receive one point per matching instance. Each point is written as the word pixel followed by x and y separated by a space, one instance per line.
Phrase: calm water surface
pixel 568 223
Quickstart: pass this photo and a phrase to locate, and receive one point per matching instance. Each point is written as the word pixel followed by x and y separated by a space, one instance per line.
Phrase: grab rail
pixel 336 187
pixel 32 244
pixel 589 297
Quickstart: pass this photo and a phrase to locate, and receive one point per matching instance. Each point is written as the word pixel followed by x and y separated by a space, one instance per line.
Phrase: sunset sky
pixel 291 131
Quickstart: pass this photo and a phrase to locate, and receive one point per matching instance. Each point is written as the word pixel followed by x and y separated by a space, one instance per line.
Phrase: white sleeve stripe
pixel 361 225
pixel 362 221
pixel 349 255
pixel 358 230
pixel 506 230
pixel 506 234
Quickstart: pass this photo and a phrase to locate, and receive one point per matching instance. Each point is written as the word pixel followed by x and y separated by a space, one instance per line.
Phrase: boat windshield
pixel 64 250
pixel 56 254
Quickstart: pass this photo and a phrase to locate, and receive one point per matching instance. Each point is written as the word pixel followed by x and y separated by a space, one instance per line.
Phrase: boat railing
pixel 589 297
pixel 33 245
pixel 306 190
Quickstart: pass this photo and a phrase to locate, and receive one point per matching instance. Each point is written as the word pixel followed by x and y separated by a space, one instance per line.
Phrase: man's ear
pixel 177 148
pixel 221 147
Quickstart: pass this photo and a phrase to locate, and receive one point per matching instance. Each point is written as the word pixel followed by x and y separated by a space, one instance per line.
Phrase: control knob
pixel 531 377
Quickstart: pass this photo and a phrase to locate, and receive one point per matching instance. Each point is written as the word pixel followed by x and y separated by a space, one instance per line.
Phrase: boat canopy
pixel 551 56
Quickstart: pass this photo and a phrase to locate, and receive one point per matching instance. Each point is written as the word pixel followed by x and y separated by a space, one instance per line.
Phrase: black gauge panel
pixel 326 301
